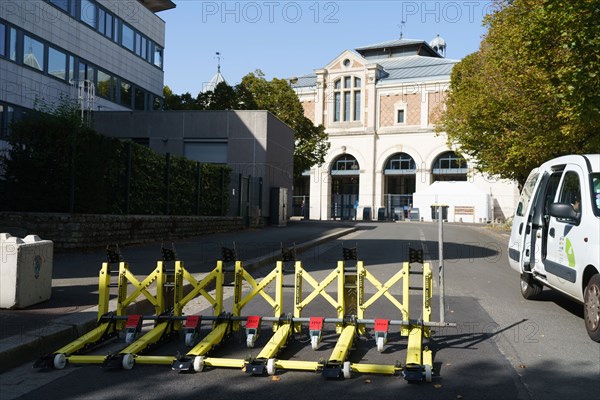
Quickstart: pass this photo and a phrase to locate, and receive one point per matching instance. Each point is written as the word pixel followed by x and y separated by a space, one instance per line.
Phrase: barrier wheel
pixel 271 368
pixel 190 339
pixel 130 337
pixel 314 342
pixel 199 363
pixel 128 361
pixel 380 343
pixel 428 373
pixel 346 370
pixel 250 341
pixel 60 361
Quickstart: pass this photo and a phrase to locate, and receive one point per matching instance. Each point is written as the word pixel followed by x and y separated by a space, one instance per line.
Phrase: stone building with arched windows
pixel 379 105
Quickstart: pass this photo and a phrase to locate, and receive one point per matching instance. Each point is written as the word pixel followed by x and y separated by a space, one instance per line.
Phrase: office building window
pixel 88 13
pixel 109 26
pixel 140 97
pixel 12 50
pixel 86 72
pixel 33 53
pixel 125 98
pixel 128 38
pixel 138 44
pixel 82 71
pixel 62 4
pixel 71 69
pixel 105 23
pixel 7 115
pixel 101 21
pixel 57 63
pixel 105 86
pixel 90 73
pixel 1 121
pixel 117 36
pixel 158 57
pixel 2 40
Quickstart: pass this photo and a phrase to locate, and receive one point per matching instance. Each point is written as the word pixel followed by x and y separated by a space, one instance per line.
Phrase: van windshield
pixel 595 182
pixel 527 192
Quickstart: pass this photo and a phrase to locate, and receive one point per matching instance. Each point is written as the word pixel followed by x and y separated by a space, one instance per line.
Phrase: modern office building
pixel 380 105
pixel 106 55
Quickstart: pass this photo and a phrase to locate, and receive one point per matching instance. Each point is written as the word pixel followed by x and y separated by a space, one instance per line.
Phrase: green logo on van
pixel 570 253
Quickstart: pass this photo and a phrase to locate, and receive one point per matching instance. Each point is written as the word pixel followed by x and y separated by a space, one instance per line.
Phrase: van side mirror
pixel 564 211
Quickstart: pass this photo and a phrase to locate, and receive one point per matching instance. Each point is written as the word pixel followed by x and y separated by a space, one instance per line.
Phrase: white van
pixel 555 238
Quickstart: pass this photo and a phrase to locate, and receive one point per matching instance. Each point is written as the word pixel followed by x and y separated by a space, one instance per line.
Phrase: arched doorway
pixel 399 183
pixel 449 166
pixel 345 173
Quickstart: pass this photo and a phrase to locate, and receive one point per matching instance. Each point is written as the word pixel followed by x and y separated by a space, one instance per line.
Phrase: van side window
pixel 571 191
pixel 551 190
pixel 526 194
pixel 595 181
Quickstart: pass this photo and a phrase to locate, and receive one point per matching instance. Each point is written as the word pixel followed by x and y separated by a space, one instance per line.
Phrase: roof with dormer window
pixel 399 60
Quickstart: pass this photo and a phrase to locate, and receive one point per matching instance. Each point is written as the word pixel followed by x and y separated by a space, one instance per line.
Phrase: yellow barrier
pixel 349 298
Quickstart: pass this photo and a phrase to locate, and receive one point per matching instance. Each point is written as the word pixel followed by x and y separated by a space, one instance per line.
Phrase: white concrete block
pixel 25 270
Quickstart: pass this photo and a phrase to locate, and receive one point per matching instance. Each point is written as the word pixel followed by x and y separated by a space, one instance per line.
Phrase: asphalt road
pixel 503 347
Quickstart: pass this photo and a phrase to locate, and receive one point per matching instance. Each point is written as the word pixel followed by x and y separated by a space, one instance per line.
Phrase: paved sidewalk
pixel 40 329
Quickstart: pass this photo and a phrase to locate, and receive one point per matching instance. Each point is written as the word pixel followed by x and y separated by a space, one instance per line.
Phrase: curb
pixel 18 349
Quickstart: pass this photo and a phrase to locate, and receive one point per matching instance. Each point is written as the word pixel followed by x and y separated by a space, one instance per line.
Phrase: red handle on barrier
pixel 134 321
pixel 192 321
pixel 316 323
pixel 381 325
pixel 253 322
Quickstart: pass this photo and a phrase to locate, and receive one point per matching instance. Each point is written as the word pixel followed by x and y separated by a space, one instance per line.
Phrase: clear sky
pixel 292 38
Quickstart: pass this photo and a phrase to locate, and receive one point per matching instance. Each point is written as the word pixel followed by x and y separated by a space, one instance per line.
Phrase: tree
pixel 173 101
pixel 531 92
pixel 256 93
pixel 278 97
pixel 55 161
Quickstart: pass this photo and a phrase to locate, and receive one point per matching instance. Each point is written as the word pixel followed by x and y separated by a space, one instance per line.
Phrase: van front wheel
pixel 591 308
pixel 530 288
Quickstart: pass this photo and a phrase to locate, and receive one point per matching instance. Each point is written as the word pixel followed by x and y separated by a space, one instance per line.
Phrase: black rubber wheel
pixel 530 288
pixel 591 308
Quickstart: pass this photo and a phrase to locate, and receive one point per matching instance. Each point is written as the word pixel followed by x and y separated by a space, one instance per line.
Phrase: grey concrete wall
pixel 280 158
pixel 245 131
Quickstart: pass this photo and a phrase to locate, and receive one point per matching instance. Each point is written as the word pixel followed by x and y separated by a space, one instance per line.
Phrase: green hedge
pixel 38 173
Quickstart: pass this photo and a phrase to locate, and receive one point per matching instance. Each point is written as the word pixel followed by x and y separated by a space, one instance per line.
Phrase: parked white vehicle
pixel 555 238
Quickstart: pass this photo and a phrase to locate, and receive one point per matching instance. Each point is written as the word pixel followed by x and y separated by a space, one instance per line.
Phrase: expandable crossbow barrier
pixel 164 289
